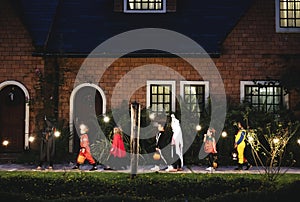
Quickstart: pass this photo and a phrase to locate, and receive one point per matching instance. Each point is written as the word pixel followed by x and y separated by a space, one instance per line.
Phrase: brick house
pixel 50 50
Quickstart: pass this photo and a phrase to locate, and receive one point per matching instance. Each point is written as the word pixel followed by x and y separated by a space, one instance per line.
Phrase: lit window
pixel 288 15
pixel 161 96
pixel 265 96
pixel 145 6
pixel 195 95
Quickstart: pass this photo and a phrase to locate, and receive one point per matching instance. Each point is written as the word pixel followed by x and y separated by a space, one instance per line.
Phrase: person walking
pixel 240 145
pixel 85 151
pixel 162 141
pixel 210 148
pixel 47 147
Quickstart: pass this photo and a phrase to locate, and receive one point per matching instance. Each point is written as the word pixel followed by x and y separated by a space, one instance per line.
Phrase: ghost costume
pixel 177 141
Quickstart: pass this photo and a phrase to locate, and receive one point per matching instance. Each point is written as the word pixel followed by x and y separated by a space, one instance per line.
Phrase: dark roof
pixel 79 26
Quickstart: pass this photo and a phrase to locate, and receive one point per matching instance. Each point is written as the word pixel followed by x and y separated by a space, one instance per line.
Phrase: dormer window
pixel 144 6
pixel 288 15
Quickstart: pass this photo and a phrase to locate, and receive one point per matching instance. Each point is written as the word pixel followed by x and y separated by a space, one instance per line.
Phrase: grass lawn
pixel 113 186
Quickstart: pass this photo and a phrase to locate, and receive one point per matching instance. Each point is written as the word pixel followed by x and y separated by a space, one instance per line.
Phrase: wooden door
pixel 12 119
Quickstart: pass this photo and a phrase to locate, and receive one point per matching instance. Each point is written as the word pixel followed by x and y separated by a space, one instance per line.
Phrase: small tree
pixel 268 139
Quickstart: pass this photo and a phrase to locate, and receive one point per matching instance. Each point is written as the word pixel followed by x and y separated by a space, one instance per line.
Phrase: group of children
pixel 169 149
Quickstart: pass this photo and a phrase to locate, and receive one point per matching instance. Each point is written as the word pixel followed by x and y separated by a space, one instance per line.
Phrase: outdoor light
pixel 250 139
pixel 298 141
pixel 198 128
pixel 5 143
pixel 152 116
pixel 276 140
pixel 57 133
pixel 31 139
pixel 224 134
pixel 106 119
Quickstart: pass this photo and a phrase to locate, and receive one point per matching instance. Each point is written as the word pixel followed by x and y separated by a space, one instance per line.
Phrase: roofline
pixel 128 55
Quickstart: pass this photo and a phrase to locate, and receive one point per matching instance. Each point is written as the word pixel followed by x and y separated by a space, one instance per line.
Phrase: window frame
pixel 206 89
pixel 163 10
pixel 277 21
pixel 162 82
pixel 243 84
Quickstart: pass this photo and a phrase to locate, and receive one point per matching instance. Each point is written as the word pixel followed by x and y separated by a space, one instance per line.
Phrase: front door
pixel 12 119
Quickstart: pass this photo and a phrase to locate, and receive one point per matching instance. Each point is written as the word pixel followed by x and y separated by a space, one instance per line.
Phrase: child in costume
pixel 162 141
pixel 47 147
pixel 177 145
pixel 85 151
pixel 210 148
pixel 240 145
pixel 117 152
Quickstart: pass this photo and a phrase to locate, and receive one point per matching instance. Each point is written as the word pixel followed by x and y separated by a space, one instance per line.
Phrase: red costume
pixel 118 148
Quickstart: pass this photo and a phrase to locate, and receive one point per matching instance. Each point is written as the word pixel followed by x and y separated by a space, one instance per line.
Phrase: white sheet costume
pixel 177 137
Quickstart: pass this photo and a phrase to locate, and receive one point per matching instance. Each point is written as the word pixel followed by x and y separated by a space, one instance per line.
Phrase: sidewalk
pixel 141 169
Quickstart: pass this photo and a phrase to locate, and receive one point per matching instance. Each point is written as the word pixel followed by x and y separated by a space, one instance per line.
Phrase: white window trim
pixel 277 21
pixel 164 9
pixel 242 91
pixel 162 82
pixel 206 88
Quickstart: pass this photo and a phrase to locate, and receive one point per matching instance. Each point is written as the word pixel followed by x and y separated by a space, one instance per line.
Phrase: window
pixel 195 95
pixel 288 15
pixel 266 96
pixel 161 96
pixel 145 6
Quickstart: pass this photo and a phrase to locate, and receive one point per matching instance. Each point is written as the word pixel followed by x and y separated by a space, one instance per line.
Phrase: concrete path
pixel 141 169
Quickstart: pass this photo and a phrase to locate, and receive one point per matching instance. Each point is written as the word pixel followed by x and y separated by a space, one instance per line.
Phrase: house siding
pixel 251 51
pixel 16 60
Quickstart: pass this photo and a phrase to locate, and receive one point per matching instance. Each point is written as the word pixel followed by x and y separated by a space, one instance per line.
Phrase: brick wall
pixel 251 51
pixel 16 62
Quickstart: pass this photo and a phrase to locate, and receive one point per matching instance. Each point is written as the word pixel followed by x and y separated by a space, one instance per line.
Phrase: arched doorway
pixel 12 119
pixel 86 103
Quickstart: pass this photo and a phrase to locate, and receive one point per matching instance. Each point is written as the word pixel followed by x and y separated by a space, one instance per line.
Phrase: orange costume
pixel 85 151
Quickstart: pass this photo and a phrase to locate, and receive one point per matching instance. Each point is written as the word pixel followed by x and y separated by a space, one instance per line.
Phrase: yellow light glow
pixel 5 143
pixel 198 128
pixel 152 116
pixel 250 139
pixel 224 134
pixel 298 141
pixel 275 140
pixel 31 139
pixel 57 133
pixel 106 119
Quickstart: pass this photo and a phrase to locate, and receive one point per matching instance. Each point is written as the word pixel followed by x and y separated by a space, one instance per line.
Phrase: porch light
pixel 224 134
pixel 198 128
pixel 5 143
pixel 57 133
pixel 106 119
pixel 31 139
